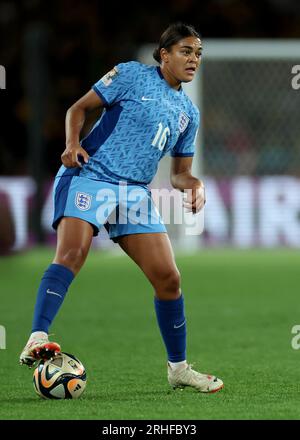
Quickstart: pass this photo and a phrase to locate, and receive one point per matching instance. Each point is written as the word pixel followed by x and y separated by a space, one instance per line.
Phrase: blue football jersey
pixel 144 119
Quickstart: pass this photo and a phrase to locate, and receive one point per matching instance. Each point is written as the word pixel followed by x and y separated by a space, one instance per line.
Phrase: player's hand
pixel 194 198
pixel 74 156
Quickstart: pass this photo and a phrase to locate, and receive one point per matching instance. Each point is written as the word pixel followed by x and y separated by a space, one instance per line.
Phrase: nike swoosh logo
pixel 147 99
pixel 178 326
pixel 53 293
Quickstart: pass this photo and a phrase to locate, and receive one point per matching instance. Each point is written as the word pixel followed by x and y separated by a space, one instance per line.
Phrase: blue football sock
pixel 171 321
pixel 51 293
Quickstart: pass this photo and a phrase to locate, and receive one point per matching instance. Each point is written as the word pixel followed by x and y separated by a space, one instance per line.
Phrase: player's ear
pixel 164 55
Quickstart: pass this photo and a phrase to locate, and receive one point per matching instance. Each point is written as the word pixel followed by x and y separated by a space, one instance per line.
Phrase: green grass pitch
pixel 240 309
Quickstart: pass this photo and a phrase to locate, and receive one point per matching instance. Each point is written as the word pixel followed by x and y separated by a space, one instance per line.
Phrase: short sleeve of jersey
pixel 113 86
pixel 185 146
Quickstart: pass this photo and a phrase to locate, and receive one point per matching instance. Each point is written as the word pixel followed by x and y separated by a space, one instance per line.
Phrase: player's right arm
pixel 75 119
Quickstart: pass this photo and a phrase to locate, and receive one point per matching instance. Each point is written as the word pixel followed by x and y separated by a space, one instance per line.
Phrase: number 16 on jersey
pixel 161 137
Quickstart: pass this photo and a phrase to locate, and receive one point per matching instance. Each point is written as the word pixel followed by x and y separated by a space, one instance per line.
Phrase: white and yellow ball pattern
pixel 63 377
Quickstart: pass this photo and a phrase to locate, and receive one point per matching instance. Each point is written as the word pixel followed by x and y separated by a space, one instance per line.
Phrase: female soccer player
pixel 146 114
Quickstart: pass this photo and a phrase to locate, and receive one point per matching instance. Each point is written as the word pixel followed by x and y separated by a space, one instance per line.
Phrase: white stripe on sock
pixel 175 365
pixel 38 335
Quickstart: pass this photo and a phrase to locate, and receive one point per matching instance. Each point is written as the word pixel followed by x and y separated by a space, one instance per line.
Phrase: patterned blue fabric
pixel 122 209
pixel 144 119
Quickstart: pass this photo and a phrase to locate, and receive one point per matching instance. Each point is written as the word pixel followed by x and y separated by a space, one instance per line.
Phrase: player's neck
pixel 170 79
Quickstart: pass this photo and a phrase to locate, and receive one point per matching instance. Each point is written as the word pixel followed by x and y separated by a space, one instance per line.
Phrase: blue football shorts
pixel 123 209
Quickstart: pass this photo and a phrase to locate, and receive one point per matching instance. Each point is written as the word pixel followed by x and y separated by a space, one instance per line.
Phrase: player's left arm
pixel 183 180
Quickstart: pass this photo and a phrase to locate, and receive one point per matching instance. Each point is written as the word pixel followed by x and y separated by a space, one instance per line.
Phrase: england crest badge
pixel 183 122
pixel 83 201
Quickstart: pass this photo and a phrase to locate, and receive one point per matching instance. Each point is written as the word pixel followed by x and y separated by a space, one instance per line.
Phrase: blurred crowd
pixel 85 38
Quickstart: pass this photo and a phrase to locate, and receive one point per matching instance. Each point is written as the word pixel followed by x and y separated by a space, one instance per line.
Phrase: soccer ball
pixel 62 377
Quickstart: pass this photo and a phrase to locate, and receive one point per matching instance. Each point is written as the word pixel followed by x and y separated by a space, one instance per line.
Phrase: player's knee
pixel 73 258
pixel 174 281
pixel 169 281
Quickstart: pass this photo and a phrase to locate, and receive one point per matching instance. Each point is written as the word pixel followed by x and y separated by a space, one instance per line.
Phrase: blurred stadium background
pixel 248 155
pixel 249 142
